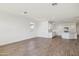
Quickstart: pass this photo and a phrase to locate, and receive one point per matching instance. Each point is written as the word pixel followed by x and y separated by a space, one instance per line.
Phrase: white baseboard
pixel 9 42
pixel 45 36
pixel 13 41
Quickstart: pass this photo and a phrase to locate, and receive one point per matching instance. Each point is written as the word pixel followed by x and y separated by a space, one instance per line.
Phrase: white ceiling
pixel 43 11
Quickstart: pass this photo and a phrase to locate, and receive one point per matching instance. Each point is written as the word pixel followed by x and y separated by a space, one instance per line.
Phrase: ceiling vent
pixel 54 4
pixel 25 12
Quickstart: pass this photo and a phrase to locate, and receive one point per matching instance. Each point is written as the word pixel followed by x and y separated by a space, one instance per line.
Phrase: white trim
pixel 9 42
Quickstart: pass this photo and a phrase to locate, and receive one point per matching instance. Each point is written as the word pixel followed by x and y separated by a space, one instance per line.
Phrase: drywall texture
pixel 15 28
pixel 43 30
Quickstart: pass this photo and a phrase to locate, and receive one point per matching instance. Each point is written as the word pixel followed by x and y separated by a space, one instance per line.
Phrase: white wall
pixel 43 30
pixel 15 28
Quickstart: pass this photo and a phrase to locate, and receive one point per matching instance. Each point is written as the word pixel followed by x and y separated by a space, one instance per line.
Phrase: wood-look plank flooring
pixel 42 47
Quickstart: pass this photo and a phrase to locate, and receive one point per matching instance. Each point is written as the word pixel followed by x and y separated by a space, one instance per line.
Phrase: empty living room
pixel 39 29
